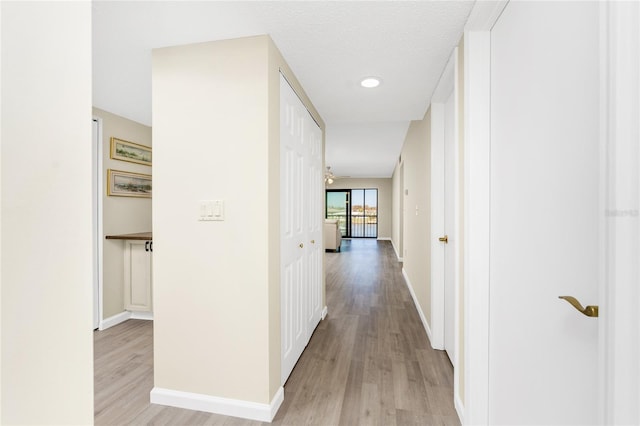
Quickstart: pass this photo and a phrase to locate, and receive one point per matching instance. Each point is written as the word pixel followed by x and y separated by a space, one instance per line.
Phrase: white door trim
pixel 98 184
pixel 476 220
pixel 477 149
pixel 619 346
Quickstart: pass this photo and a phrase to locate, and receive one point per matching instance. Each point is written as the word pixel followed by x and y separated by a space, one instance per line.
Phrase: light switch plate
pixel 210 210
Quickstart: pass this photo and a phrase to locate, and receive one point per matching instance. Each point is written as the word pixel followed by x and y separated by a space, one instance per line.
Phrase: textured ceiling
pixel 330 46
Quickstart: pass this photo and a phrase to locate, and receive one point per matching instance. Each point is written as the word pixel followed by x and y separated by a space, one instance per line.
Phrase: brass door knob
pixel 444 239
pixel 301 245
pixel 313 241
pixel 590 311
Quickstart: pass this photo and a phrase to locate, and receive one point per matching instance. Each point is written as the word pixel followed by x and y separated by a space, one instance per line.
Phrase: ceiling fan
pixel 329 177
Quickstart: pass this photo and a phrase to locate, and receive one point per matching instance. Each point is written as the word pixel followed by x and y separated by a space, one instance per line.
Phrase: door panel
pixel 544 213
pixel 315 226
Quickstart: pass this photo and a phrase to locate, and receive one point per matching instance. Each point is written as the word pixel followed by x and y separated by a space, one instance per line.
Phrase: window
pixel 356 211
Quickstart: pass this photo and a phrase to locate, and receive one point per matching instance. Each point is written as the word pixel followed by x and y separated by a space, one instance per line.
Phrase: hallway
pixel 368 362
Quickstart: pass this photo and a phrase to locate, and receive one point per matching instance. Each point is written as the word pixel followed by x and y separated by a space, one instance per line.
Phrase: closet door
pixel 315 193
pixel 302 248
pixel 293 228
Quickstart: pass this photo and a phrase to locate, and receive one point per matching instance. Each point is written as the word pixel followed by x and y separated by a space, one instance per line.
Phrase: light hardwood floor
pixel 368 362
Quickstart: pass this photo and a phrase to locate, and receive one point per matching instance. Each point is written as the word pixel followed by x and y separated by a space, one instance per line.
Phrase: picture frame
pixel 130 151
pixel 128 184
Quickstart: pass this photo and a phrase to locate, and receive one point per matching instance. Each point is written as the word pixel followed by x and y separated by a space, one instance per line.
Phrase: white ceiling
pixel 329 45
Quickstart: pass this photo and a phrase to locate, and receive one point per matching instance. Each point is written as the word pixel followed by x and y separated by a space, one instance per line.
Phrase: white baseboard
pixel 384 239
pixel 122 317
pixel 396 250
pixel 459 408
pixel 325 311
pixel 415 302
pixel 213 404
pixel 114 320
pixel 142 315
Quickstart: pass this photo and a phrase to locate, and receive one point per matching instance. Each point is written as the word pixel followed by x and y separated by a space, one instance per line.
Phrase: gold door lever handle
pixel 444 239
pixel 590 311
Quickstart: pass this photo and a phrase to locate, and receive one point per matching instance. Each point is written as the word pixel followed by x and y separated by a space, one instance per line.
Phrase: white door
pixel 315 250
pixel 544 213
pixel 292 227
pixel 302 248
pixel 449 229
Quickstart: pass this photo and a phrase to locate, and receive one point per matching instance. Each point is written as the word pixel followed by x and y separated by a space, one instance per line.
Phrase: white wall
pixel 383 185
pixel 46 324
pixel 120 215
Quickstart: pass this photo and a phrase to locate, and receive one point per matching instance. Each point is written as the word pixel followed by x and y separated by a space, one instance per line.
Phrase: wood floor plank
pixel 368 363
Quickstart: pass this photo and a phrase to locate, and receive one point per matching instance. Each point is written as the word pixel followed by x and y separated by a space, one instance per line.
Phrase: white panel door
pixel 315 252
pixel 544 213
pixel 302 248
pixel 294 272
pixel 449 229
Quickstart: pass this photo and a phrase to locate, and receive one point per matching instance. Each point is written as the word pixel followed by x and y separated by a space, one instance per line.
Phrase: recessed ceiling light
pixel 370 82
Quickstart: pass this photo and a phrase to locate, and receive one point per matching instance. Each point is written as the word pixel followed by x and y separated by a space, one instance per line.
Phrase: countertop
pixel 147 236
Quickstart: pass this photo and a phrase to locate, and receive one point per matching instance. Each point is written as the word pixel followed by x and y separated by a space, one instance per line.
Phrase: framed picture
pixel 129 151
pixel 127 184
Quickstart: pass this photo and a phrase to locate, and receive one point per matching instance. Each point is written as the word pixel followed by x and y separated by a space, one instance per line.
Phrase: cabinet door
pixel 137 276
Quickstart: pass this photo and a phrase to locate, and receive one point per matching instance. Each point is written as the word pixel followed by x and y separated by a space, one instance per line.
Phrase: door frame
pixel 619 346
pixel 618 350
pixel 97 231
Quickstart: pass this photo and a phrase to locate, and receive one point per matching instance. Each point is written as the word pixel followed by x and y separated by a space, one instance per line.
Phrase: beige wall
pixel 46 265
pixel 384 187
pixel 217 284
pixel 120 215
pixel 416 155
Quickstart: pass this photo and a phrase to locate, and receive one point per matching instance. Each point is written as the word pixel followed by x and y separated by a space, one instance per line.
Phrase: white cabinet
pixel 301 246
pixel 137 275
